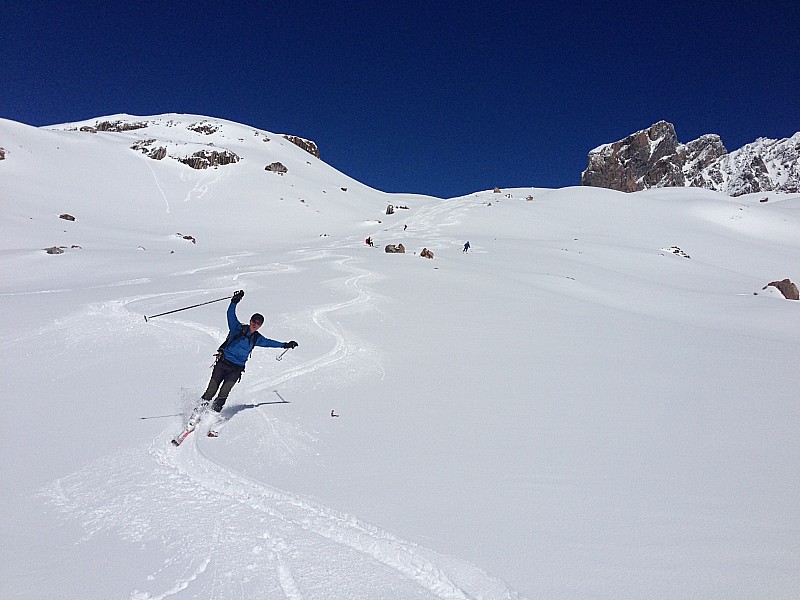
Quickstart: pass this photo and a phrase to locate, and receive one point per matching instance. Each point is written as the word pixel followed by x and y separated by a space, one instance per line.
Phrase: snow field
pixel 568 410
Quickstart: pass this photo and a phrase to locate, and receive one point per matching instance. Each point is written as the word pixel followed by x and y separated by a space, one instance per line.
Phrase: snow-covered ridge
pixel 763 165
pixel 173 173
pixel 199 142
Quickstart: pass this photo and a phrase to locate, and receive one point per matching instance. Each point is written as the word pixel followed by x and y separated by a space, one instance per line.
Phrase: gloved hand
pixel 290 345
pixel 237 296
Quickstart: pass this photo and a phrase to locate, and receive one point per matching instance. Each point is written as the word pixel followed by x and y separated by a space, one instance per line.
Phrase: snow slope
pixel 569 410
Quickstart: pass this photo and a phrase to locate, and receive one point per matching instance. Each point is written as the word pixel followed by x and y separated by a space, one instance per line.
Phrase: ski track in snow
pixel 294 517
pixel 158 185
pixel 267 542
pixel 204 184
pixel 342 349
pixel 436 218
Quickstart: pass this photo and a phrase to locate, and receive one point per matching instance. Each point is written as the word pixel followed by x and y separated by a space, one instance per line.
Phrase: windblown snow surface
pixel 598 400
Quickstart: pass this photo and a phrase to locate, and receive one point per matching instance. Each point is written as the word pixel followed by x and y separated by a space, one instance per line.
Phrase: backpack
pixel 241 333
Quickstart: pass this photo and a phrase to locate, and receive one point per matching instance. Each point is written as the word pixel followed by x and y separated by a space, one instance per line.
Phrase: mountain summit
pixel 654 157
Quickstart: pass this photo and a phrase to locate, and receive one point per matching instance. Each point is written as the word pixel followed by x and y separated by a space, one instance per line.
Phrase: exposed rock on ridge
pixel 159 149
pixel 204 127
pixel 654 157
pixel 146 147
pixel 119 126
pixel 306 145
pixel 762 166
pixel 210 158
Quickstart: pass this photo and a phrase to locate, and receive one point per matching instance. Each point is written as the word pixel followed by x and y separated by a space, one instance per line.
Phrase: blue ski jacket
pixel 239 347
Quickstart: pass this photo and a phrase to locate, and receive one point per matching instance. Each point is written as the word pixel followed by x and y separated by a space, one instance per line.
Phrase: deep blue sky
pixel 435 97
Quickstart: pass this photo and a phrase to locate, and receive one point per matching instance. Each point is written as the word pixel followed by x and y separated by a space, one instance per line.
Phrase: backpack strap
pixel 229 339
pixel 254 342
pixel 241 333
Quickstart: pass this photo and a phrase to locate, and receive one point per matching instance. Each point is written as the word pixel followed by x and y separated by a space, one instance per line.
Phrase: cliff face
pixel 641 160
pixel 762 166
pixel 654 157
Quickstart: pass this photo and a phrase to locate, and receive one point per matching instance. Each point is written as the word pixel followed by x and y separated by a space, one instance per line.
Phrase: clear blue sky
pixel 435 97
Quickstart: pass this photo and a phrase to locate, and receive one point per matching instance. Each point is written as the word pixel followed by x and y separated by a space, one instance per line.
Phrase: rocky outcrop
pixel 144 146
pixel 119 126
pixel 639 161
pixel 204 159
pixel 204 156
pixel 763 166
pixel 204 127
pixel 156 153
pixel 676 251
pixel 785 287
pixel 392 249
pixel 306 145
pixel 66 217
pixel 2 153
pixel 426 253
pixel 276 167
pixel 699 156
pixel 654 157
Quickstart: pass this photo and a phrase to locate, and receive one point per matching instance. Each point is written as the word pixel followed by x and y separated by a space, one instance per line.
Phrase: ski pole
pixel 280 356
pixel 160 417
pixel 169 312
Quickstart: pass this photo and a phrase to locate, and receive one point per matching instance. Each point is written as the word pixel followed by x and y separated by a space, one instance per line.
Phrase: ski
pixel 178 439
pixel 191 425
pixel 200 414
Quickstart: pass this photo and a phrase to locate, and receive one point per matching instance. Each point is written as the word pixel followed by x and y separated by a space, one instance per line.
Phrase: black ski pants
pixel 225 374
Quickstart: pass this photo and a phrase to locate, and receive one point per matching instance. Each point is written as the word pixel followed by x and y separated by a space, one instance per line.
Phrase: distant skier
pixel 232 356
pixel 368 242
pixel 466 247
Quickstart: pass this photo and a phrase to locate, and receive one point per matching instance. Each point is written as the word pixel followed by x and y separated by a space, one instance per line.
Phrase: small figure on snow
pixel 466 247
pixel 333 413
pixel 233 355
pixel 368 242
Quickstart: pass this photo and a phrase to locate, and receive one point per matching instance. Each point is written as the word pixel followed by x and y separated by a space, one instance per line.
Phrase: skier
pixel 466 246
pixel 231 358
pixel 369 242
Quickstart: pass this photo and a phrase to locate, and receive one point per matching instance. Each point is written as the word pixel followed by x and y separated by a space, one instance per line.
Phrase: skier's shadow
pixel 235 410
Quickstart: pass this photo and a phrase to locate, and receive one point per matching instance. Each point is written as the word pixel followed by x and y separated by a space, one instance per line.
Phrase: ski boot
pixel 194 419
pixel 216 421
pixel 196 415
